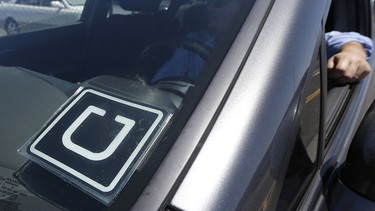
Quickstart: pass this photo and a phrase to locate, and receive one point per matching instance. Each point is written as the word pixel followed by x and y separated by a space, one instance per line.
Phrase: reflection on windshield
pixel 76 2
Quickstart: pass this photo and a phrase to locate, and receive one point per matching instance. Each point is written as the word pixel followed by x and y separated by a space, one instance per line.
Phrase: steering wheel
pixel 195 46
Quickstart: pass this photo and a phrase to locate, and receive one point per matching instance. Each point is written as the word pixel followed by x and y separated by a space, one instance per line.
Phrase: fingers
pixel 331 62
pixel 347 68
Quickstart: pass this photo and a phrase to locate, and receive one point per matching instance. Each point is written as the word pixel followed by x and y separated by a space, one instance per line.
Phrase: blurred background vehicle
pixel 26 15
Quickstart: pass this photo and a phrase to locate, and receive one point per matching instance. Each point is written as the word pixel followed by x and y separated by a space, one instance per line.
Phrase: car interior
pixel 107 43
pixel 119 38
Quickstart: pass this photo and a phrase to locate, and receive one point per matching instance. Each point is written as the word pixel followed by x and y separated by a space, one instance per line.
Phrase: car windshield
pixel 107 93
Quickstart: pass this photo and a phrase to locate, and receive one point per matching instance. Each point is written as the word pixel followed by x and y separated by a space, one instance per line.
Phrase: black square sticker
pixel 97 139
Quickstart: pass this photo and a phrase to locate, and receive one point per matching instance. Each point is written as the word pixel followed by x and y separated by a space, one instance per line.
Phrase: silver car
pixel 26 15
pixel 87 123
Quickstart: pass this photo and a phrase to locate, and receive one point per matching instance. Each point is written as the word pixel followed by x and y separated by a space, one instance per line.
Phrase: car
pixel 26 15
pixel 90 120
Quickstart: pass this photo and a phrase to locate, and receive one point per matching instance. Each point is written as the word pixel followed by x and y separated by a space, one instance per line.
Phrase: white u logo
pixel 96 156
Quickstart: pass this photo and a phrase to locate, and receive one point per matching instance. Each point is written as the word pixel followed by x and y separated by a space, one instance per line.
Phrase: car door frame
pixel 355 100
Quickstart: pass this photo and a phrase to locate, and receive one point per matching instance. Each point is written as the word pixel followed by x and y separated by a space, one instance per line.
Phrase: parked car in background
pixel 84 124
pixel 26 15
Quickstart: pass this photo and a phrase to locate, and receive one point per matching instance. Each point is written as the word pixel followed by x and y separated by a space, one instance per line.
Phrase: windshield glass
pixel 94 103
pixel 166 39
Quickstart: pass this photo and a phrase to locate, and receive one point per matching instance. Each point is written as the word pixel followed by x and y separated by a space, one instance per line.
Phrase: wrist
pixel 354 48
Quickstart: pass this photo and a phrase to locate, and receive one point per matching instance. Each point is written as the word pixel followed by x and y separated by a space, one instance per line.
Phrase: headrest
pixel 140 5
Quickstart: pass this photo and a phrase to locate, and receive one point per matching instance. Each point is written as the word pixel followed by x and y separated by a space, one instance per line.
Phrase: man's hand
pixel 349 65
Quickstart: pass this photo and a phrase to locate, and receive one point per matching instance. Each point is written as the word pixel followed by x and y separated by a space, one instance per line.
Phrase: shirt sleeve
pixel 335 39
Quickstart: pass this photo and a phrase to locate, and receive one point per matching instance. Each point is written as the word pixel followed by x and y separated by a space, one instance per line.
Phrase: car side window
pixel 340 18
pixel 30 15
pixel 304 156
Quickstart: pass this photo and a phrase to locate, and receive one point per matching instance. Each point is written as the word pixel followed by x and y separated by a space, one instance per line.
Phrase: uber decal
pixel 97 141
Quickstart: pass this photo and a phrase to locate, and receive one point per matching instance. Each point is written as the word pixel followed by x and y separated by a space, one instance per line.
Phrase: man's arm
pixel 348 53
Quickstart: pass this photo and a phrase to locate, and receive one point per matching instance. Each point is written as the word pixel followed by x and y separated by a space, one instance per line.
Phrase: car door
pixel 344 107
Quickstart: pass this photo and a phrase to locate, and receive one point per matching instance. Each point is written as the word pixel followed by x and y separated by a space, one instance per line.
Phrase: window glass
pixel 157 43
pixel 340 18
pixel 29 15
pixel 304 156
pixel 141 61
